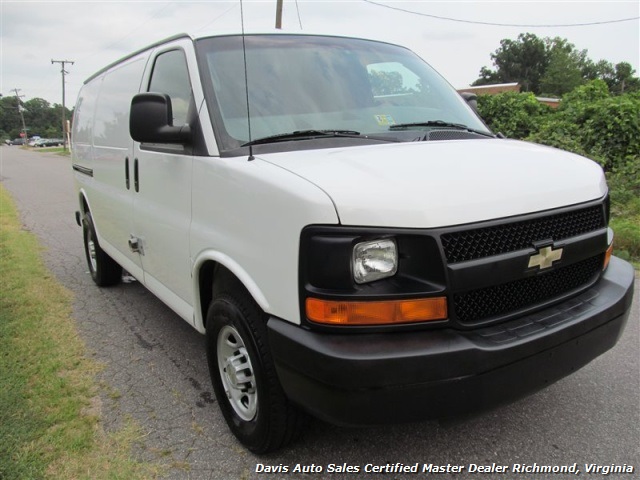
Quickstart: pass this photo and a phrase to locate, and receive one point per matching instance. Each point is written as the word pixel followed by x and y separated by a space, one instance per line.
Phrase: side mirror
pixel 472 100
pixel 151 120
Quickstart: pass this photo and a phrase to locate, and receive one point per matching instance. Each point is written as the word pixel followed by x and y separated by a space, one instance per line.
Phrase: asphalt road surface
pixel 155 373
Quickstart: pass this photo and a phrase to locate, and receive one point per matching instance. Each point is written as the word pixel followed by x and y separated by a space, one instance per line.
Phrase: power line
pixel 494 24
pixel 216 19
pixel 135 30
pixel 298 10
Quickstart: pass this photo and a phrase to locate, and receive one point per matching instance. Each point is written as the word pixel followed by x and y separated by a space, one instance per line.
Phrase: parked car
pixel 15 141
pixel 49 142
pixel 352 239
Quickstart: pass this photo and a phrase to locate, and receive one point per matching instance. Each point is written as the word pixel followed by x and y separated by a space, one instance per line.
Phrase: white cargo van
pixel 352 239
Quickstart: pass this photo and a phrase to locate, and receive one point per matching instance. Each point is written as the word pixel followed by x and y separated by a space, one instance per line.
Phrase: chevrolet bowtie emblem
pixel 545 257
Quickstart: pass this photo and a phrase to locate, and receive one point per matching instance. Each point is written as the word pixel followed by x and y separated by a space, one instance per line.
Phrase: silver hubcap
pixel 91 246
pixel 236 373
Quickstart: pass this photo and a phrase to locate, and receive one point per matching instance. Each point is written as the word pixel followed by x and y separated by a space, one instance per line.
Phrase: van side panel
pixel 111 196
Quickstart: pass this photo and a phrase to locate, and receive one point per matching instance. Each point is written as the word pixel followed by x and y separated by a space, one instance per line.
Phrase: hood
pixel 444 183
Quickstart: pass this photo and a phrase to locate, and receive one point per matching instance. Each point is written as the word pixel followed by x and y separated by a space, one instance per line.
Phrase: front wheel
pixel 244 377
pixel 103 269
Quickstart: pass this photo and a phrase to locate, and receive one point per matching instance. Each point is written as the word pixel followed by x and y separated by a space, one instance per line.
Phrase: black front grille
pixel 509 237
pixel 485 303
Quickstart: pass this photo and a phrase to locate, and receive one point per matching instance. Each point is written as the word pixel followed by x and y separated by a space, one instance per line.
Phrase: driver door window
pixel 171 76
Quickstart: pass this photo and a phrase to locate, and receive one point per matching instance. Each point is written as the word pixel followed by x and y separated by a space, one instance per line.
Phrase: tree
pixel 624 80
pixel 41 118
pixel 487 77
pixel 56 119
pixel 10 116
pixel 523 60
pixel 620 78
pixel 553 66
pixel 564 70
pixel 602 70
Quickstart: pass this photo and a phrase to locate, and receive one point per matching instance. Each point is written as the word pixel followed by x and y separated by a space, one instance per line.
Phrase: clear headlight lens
pixel 374 260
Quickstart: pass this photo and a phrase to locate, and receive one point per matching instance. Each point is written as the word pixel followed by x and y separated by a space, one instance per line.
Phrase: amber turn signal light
pixel 376 313
pixel 607 256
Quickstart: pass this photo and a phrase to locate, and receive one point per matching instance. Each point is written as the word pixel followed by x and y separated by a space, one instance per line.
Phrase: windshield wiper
pixel 302 135
pixel 311 134
pixel 439 123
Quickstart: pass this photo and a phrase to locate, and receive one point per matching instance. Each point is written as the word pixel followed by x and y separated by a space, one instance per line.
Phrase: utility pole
pixel 64 116
pixel 20 109
pixel 279 14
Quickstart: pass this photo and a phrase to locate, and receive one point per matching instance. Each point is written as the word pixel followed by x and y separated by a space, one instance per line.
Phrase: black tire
pixel 104 270
pixel 256 408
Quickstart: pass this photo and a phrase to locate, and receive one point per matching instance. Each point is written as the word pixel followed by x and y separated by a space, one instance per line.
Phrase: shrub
pixel 592 123
pixel 515 115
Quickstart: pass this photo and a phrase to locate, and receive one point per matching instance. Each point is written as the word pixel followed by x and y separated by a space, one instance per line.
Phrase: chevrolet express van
pixel 351 238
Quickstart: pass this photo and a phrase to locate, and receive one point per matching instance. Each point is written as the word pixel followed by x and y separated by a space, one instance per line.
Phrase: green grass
pixel 58 150
pixel 625 211
pixel 49 403
pixel 627 238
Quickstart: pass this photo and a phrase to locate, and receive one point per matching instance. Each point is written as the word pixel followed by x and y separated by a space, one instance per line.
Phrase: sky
pixel 94 34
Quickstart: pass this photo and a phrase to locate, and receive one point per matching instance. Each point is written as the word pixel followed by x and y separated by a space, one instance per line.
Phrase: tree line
pixel 552 67
pixel 40 117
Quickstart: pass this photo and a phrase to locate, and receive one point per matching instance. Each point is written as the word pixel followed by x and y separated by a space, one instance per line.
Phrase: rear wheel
pixel 244 377
pixel 104 270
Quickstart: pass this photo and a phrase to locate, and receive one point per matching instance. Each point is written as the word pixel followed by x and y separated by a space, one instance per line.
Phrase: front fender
pixel 236 269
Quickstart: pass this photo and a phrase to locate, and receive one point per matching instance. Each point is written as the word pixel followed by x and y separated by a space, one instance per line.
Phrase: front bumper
pixel 377 378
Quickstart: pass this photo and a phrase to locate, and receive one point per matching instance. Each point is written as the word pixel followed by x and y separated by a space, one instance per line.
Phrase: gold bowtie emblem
pixel 545 257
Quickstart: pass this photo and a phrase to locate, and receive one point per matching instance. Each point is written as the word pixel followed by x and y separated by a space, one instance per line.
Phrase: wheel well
pixel 83 204
pixel 215 278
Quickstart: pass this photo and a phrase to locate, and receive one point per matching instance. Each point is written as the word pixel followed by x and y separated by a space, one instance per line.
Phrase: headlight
pixel 374 260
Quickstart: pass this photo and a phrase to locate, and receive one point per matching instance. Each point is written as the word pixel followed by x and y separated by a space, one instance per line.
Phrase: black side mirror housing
pixel 151 120
pixel 472 100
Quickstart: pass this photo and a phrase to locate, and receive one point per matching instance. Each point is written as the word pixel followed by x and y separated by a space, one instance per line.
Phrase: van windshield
pixel 299 83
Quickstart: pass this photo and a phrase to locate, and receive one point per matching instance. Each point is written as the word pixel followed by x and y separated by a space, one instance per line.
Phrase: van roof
pixel 221 34
pixel 137 52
